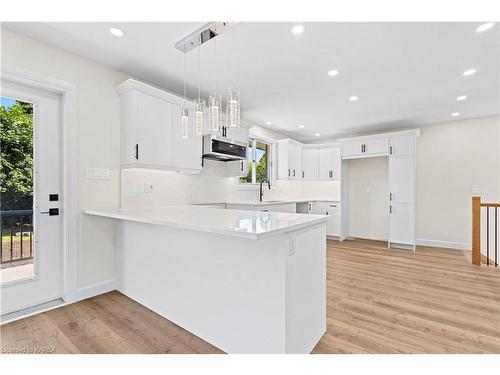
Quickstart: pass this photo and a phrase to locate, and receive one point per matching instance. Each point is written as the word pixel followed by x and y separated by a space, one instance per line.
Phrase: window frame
pixel 252 141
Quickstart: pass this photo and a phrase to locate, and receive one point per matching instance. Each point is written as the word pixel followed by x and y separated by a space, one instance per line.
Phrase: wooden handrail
pixel 490 204
pixel 476 230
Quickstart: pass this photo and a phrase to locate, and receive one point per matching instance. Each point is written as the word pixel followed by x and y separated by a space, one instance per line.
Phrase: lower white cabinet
pixel 402 224
pixel 333 223
pixel 318 208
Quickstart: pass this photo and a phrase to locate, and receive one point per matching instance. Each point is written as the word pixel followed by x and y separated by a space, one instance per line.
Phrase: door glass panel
pixel 16 190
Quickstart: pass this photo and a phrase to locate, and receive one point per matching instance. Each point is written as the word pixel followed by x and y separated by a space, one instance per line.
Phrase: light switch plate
pixel 479 191
pixel 97 173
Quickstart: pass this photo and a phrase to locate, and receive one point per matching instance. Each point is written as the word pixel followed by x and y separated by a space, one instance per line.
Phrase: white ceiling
pixel 405 74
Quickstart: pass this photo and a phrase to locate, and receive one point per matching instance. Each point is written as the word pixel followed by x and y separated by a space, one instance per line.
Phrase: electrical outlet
pixel 148 188
pixel 97 173
pixel 291 250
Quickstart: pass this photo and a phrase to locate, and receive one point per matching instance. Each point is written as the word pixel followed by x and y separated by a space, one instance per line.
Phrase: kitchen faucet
pixel 261 192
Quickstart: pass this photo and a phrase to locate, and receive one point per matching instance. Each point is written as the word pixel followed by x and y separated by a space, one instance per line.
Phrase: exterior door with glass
pixel 31 270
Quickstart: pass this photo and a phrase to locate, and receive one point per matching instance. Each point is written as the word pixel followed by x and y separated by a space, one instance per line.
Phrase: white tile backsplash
pixel 209 187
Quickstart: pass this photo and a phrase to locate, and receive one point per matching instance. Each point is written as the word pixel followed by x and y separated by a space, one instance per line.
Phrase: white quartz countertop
pixel 246 224
pixel 268 203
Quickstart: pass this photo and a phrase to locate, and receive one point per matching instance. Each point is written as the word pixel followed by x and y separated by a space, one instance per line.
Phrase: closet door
pixel 402 179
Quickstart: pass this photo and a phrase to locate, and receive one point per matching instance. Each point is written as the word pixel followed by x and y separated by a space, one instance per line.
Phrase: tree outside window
pixel 258 154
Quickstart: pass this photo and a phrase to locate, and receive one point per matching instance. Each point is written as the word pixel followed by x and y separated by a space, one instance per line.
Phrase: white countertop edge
pixel 253 236
pixel 269 203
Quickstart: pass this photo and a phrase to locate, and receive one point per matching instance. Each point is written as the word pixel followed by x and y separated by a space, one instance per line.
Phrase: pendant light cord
pixel 199 74
pixel 184 79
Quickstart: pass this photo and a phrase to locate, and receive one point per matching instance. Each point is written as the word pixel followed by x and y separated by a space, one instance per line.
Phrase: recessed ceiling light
pixel 485 26
pixel 455 114
pixel 301 126
pixel 298 29
pixel 461 98
pixel 469 72
pixel 353 98
pixel 317 135
pixel 116 31
pixel 269 123
pixel 333 72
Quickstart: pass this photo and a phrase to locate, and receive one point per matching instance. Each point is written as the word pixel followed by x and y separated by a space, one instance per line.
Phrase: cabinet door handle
pixel 390 196
pixel 289 173
pixel 302 174
pixel 390 209
pixel 137 151
pixel 241 168
pixel 390 150
pixel 294 173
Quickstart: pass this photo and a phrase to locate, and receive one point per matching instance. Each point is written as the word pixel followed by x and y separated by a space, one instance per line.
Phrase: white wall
pixel 368 187
pixel 453 158
pixel 98 141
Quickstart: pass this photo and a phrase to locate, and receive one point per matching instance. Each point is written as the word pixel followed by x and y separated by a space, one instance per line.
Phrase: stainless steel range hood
pixel 216 147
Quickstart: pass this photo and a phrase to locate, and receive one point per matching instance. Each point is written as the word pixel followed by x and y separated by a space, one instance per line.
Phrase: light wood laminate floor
pixel 378 301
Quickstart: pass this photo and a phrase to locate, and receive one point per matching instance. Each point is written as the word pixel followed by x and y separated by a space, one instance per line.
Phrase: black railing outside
pixel 16 232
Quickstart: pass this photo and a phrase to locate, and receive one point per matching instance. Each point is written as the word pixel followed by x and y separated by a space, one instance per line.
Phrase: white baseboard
pixel 450 245
pixel 95 289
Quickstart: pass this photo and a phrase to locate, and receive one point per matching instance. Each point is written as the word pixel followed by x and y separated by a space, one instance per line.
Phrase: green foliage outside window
pixel 16 156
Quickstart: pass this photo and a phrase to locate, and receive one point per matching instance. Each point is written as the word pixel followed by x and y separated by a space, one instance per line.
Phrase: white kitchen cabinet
pixel 329 163
pixel 402 145
pixel 402 179
pixel 237 168
pixel 365 147
pixel 333 223
pixel 289 160
pixel 150 130
pixel 238 134
pixel 310 164
pixel 186 152
pixel 402 224
pixel 352 148
pixel 318 208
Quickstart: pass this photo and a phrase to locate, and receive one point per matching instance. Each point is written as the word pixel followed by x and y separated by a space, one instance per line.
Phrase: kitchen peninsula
pixel 245 281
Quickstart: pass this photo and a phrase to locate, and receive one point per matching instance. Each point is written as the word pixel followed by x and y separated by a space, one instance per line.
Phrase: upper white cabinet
pixel 401 145
pixel 365 147
pixel 186 152
pixel 310 168
pixel 239 134
pixel 329 163
pixel 150 130
pixel 289 160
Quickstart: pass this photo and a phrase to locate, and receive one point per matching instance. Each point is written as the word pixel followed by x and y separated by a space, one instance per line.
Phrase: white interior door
pixel 45 281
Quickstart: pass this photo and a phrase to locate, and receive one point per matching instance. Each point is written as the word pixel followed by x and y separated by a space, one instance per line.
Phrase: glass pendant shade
pixel 199 117
pixel 184 123
pixel 214 111
pixel 233 108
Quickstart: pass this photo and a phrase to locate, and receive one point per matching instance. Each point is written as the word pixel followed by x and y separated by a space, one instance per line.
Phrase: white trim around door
pixel 67 91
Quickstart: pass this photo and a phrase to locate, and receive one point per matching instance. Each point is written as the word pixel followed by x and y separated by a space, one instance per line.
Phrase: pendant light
pixel 199 110
pixel 233 97
pixel 184 111
pixel 214 100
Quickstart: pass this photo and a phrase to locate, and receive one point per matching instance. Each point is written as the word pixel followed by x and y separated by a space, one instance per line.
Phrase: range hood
pixel 216 147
